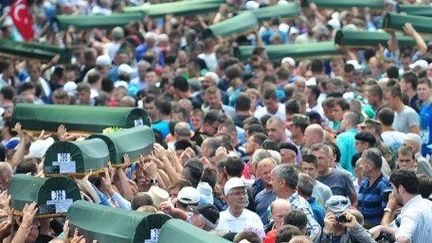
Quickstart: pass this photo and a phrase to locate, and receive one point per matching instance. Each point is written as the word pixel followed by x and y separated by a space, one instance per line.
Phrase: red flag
pixel 22 18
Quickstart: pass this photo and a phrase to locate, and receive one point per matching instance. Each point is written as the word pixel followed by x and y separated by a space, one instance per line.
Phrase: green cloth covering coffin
pixel 97 21
pixel 91 119
pixel 53 196
pixel 132 141
pixel 296 51
pixel 76 158
pixel 179 8
pixel 397 22
pixel 346 4
pixel 179 231
pixel 248 20
pixel 114 225
pixel 347 38
pixel 413 9
pixel 34 50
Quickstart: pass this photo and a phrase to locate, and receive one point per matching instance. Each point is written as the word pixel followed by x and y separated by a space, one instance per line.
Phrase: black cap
pixel 366 137
pixel 208 211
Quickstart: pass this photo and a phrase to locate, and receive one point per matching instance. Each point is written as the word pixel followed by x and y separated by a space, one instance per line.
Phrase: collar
pixel 411 201
pixel 231 217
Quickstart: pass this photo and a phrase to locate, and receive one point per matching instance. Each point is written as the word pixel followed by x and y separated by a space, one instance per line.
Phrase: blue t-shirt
pixel 371 199
pixel 425 127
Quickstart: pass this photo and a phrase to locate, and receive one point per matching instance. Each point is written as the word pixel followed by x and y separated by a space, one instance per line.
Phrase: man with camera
pixel 340 224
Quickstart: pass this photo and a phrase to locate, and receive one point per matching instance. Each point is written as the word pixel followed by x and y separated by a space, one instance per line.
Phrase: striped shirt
pixel 371 199
pixel 416 218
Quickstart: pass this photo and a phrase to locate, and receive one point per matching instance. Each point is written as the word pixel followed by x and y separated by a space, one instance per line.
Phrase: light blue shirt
pixel 346 144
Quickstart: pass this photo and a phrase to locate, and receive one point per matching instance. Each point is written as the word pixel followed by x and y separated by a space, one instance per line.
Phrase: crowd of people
pixel 311 150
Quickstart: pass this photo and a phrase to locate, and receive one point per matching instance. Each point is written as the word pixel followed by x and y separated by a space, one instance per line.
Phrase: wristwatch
pixel 153 181
pixel 388 210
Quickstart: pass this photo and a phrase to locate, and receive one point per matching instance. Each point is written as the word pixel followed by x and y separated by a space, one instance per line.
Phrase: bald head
pixel 313 134
pixel 300 239
pixel 182 130
pixel 5 175
pixel 279 208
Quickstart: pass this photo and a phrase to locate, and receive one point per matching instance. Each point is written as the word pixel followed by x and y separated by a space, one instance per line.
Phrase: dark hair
pixel 317 66
pixel 411 77
pixel 141 199
pixel 395 90
pixel 210 176
pixel 234 166
pixel 270 145
pixel 270 94
pixel 425 185
pixel 386 116
pixel 182 144
pixel 296 218
pixel 343 104
pixel 164 107
pixel 407 179
pixel 28 165
pixel 392 72
pixel 376 90
pixel 292 106
pixel 181 84
pixel 243 102
pixel 259 138
pixel 335 149
pixel 286 233
pixel 193 171
pixel 310 158
pixel 159 138
pixel 256 128
pixel 211 117
pixel 315 90
pixel 7 92
pixel 425 81
pixel 250 236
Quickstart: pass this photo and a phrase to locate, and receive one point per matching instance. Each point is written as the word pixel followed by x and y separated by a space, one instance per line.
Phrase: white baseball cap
pixel 234 182
pixel 413 137
pixel 39 147
pixel 288 60
pixel 423 64
pixel 188 195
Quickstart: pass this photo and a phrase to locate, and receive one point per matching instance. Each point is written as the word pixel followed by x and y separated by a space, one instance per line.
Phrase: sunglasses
pixel 338 203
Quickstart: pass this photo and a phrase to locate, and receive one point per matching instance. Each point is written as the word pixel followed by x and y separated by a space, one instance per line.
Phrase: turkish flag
pixel 22 18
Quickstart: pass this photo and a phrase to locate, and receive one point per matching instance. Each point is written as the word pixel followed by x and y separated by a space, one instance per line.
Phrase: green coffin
pixel 114 225
pixel 179 231
pixel 34 50
pixel 397 22
pixel 368 39
pixel 179 8
pixel 411 9
pixel 247 20
pixel 91 119
pixel 296 51
pixel 285 11
pixel 132 141
pixel 97 21
pixel 76 158
pixel 238 24
pixel 52 195
pixel 346 4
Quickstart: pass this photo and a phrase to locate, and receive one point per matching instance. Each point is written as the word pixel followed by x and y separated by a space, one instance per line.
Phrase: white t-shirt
pixel 210 60
pixel 393 139
pixel 229 223
pixel 262 111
